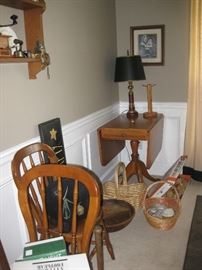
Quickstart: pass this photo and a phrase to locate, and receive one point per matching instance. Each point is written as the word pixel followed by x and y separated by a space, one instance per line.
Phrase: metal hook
pixel 13 18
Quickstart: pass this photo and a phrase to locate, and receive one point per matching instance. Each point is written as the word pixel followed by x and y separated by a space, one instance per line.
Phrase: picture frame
pixel 148 42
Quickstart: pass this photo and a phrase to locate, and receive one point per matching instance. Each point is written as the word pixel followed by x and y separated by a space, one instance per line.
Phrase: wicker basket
pixel 120 189
pixel 162 223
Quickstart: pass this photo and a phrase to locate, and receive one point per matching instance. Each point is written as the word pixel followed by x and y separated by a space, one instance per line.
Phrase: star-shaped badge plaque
pixel 53 133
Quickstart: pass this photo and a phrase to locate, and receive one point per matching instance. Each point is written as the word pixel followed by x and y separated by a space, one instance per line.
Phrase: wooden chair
pixel 32 200
pixel 39 153
pixel 4 265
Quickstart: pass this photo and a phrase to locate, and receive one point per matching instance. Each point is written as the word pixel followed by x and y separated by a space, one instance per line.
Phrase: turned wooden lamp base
pixel 132 114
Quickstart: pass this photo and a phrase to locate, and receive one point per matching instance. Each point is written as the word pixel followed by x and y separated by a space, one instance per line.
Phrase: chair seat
pixel 117 214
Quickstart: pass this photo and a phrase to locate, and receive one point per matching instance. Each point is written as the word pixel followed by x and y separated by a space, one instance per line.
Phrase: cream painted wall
pixel 80 36
pixel 170 79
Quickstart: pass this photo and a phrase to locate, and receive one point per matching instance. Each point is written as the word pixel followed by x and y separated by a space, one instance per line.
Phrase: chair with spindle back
pixel 36 154
pixel 79 235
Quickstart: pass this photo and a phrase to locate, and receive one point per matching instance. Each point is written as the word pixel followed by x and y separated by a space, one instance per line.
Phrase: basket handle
pixel 120 170
pixel 161 182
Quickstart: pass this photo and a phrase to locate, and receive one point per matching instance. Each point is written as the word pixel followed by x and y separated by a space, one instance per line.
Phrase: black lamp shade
pixel 129 68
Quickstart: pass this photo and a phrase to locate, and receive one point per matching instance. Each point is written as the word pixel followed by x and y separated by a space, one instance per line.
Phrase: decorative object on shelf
pixel 8 31
pixel 148 42
pixel 129 68
pixel 149 113
pixel 13 18
pixel 4 42
pixel 4 46
pixel 18 52
pixel 44 56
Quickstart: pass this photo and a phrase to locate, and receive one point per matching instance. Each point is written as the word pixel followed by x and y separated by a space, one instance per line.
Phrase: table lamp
pixel 129 68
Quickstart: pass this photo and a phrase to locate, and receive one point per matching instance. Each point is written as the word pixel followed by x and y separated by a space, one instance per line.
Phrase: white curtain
pixel 193 136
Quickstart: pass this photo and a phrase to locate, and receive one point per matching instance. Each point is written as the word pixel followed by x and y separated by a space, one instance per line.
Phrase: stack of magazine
pixel 50 254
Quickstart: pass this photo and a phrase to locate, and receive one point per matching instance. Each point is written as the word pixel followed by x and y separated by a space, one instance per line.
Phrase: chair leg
pixel 105 239
pixel 108 242
pixel 99 247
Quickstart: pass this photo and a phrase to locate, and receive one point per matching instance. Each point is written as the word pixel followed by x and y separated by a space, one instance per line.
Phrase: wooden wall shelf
pixel 4 60
pixel 33 11
pixel 23 4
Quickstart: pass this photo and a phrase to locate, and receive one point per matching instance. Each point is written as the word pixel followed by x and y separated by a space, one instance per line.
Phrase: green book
pixel 71 262
pixel 53 247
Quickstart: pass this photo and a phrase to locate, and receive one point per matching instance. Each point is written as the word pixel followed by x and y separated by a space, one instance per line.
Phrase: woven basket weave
pixel 120 189
pixel 170 202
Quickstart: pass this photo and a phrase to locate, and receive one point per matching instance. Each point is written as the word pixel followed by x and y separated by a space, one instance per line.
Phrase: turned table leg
pixel 136 166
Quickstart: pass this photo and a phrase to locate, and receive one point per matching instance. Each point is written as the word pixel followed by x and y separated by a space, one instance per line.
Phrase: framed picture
pixel 148 42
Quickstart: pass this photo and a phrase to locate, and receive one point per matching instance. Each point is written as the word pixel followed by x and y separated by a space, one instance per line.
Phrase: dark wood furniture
pixel 4 265
pixel 117 214
pixel 33 11
pixel 112 137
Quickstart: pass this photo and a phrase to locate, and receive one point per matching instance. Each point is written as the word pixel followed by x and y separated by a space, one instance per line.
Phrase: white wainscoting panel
pixel 81 141
pixel 81 147
pixel 12 229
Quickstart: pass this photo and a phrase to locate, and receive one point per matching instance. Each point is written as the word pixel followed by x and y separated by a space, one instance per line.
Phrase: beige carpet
pixel 141 247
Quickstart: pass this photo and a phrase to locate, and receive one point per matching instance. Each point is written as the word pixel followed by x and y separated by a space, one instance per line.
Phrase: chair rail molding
pixel 81 147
